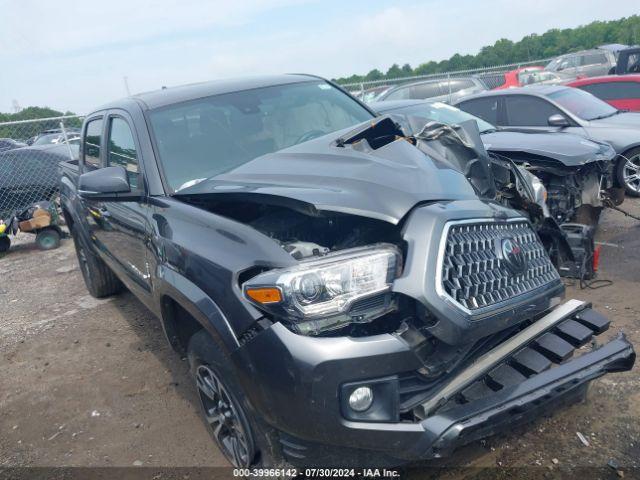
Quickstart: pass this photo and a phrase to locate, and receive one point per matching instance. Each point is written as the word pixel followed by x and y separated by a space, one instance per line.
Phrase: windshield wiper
pixel 600 117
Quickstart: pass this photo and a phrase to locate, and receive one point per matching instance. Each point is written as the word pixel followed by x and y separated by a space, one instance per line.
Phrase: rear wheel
pixel 629 172
pixel 98 277
pixel 48 239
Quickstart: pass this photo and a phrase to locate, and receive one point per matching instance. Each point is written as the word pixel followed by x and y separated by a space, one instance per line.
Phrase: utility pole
pixel 126 85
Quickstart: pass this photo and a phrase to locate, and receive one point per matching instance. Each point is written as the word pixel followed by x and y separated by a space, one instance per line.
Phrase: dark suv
pixel 344 298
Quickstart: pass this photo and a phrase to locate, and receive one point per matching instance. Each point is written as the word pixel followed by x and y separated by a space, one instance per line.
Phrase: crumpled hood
pixel 383 183
pixel 571 150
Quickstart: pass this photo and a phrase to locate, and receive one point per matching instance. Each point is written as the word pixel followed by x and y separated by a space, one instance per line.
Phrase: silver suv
pixel 438 90
pixel 587 63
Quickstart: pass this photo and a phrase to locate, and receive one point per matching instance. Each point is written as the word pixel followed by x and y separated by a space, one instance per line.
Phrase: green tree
pixel 531 47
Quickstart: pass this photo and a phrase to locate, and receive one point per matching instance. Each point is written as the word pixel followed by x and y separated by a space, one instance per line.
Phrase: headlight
pixel 323 293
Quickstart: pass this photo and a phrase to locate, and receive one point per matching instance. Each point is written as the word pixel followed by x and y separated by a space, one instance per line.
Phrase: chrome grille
pixel 475 273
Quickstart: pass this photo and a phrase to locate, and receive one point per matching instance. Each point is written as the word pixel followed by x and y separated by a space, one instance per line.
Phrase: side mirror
pixel 558 120
pixel 107 183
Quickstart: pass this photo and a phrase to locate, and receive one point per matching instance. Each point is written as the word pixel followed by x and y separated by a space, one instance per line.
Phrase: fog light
pixel 361 399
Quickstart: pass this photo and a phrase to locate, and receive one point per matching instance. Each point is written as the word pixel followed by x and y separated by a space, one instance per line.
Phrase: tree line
pixel 27 130
pixel 532 47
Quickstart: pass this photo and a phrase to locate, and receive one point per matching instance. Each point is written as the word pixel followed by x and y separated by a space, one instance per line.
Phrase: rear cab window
pixel 92 144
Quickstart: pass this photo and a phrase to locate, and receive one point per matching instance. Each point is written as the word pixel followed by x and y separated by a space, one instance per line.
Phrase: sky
pixel 75 55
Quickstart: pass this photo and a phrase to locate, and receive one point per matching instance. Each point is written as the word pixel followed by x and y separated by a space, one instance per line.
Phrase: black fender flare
pixel 172 284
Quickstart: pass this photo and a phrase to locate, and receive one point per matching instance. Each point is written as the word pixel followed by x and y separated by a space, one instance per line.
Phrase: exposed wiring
pixel 591 284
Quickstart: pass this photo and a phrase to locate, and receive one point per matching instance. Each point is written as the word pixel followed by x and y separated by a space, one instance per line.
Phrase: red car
pixel 621 91
pixel 517 77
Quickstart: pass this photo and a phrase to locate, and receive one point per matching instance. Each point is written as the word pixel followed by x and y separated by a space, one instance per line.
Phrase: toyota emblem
pixel 513 255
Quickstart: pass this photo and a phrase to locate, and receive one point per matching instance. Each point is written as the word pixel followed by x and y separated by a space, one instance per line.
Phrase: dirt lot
pixel 93 383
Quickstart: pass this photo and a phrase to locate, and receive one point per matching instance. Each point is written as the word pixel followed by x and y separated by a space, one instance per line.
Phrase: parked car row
pixel 562 70
pixel 567 110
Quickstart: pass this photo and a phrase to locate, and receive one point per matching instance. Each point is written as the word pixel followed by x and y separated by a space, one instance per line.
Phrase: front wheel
pixel 628 172
pixel 225 408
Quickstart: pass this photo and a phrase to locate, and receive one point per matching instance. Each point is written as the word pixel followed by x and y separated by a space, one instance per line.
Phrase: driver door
pixel 120 228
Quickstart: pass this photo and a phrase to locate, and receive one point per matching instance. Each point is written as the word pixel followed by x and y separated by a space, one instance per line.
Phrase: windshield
pixel 208 136
pixel 47 139
pixel 443 113
pixel 554 64
pixel 582 104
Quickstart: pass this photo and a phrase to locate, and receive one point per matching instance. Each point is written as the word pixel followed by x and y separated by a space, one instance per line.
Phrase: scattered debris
pixel 137 463
pixel 54 435
pixel 555 461
pixel 95 413
pixel 583 439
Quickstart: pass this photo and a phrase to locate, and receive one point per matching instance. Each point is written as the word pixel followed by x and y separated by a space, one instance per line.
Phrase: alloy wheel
pixel 631 173
pixel 223 418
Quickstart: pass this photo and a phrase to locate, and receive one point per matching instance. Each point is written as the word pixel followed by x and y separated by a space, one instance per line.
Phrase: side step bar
pixel 498 354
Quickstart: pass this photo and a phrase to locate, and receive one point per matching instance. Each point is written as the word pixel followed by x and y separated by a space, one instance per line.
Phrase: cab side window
pixel 526 111
pixel 485 108
pixel 121 149
pixel 92 144
pixel 593 59
pixel 613 90
pixel 426 90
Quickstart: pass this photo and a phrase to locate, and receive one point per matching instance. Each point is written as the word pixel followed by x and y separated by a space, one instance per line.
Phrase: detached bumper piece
pixel 530 374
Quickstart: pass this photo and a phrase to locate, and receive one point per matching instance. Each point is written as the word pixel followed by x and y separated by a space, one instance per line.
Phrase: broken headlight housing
pixel 329 292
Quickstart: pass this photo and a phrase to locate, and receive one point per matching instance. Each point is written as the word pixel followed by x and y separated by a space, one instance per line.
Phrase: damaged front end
pixel 418 310
pixel 563 197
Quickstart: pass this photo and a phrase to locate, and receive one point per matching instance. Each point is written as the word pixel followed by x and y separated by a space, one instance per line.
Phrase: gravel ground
pixel 88 382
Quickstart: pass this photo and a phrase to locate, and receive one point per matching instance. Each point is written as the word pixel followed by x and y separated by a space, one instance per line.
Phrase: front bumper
pixel 294 383
pixel 519 403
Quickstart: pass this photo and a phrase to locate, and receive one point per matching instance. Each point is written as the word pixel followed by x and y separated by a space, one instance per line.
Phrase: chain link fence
pixel 30 152
pixel 491 76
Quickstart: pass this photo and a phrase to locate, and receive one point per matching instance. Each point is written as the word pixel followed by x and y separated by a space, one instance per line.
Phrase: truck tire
pixel 225 408
pixel 630 167
pixel 98 277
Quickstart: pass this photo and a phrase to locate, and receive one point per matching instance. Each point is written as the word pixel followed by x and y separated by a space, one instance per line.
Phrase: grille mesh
pixel 475 275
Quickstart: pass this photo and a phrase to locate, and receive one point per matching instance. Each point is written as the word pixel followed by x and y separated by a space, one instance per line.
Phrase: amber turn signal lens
pixel 264 295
